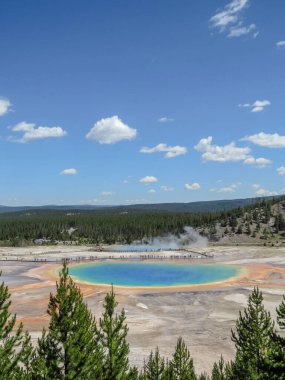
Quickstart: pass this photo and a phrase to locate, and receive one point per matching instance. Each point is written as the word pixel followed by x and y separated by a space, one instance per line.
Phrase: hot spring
pixel 152 274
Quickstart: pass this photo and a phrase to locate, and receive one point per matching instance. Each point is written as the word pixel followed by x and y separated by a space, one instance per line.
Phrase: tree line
pixel 77 346
pixel 111 227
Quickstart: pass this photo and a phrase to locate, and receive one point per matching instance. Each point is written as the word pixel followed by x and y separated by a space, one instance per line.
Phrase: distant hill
pixel 203 206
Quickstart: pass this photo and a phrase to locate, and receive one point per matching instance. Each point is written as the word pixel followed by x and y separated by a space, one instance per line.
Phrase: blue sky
pixel 128 101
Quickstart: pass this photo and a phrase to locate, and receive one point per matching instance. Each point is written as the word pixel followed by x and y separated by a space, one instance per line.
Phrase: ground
pixel 202 315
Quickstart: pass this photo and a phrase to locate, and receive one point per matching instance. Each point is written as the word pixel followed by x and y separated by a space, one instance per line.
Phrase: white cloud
pixel 70 171
pixel 32 132
pixel 227 189
pixel 111 130
pixel 151 191
pixel 127 180
pixel 165 119
pixel 193 186
pixel 245 105
pixel 167 189
pixel 257 106
pixel 229 20
pixel 256 186
pixel 224 153
pixel 265 193
pixel 281 170
pixel 238 31
pixel 280 44
pixel 259 162
pixel 267 140
pixel 4 106
pixel 171 151
pixel 148 179
pixel 107 193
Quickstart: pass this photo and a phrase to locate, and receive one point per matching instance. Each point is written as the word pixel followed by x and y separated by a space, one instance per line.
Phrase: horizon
pixel 142 204
pixel 109 104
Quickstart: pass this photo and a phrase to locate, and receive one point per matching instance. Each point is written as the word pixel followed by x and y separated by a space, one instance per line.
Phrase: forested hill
pixel 261 221
pixel 203 206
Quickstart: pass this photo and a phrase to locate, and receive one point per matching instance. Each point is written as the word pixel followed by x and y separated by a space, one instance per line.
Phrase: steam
pixel 189 238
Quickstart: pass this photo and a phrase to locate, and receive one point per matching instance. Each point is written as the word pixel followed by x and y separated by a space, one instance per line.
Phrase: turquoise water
pixel 152 274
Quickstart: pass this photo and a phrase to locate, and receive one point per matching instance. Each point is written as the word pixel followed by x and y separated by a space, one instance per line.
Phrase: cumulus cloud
pixel 192 186
pixel 229 20
pixel 218 153
pixel 281 170
pixel 148 179
pixel 167 189
pixel 165 119
pixel 107 193
pixel 151 191
pixel 265 193
pixel 4 106
pixel 111 130
pixel 267 140
pixel 32 132
pixel 256 186
pixel 280 44
pixel 258 162
pixel 257 106
pixel 171 151
pixel 70 171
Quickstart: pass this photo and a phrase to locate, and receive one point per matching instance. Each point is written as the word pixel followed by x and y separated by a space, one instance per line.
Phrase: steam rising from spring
pixel 189 238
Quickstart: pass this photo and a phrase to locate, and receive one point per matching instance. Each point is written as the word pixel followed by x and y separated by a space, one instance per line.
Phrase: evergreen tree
pixel 113 338
pixel 15 347
pixel 70 348
pixel 281 314
pixel 253 341
pixel 203 376
pixel 221 370
pixel 155 368
pixel 277 354
pixel 182 366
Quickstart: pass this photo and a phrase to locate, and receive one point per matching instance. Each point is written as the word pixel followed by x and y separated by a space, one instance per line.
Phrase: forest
pixel 109 227
pixel 76 345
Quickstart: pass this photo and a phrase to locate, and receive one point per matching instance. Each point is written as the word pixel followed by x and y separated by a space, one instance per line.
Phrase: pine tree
pixel 113 338
pixel 277 354
pixel 182 364
pixel 221 370
pixel 155 367
pixel 281 314
pixel 15 346
pixel 253 340
pixel 204 376
pixel 70 348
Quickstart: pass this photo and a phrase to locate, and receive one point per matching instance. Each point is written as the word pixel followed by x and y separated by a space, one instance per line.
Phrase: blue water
pixel 152 274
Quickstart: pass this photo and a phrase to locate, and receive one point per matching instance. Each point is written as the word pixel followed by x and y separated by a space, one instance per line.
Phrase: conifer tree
pixel 70 348
pixel 155 367
pixel 253 340
pixel 221 370
pixel 204 376
pixel 15 346
pixel 277 354
pixel 113 338
pixel 281 314
pixel 182 366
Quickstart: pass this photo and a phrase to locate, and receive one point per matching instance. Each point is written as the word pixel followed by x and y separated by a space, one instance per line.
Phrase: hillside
pixel 262 223
pixel 255 223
